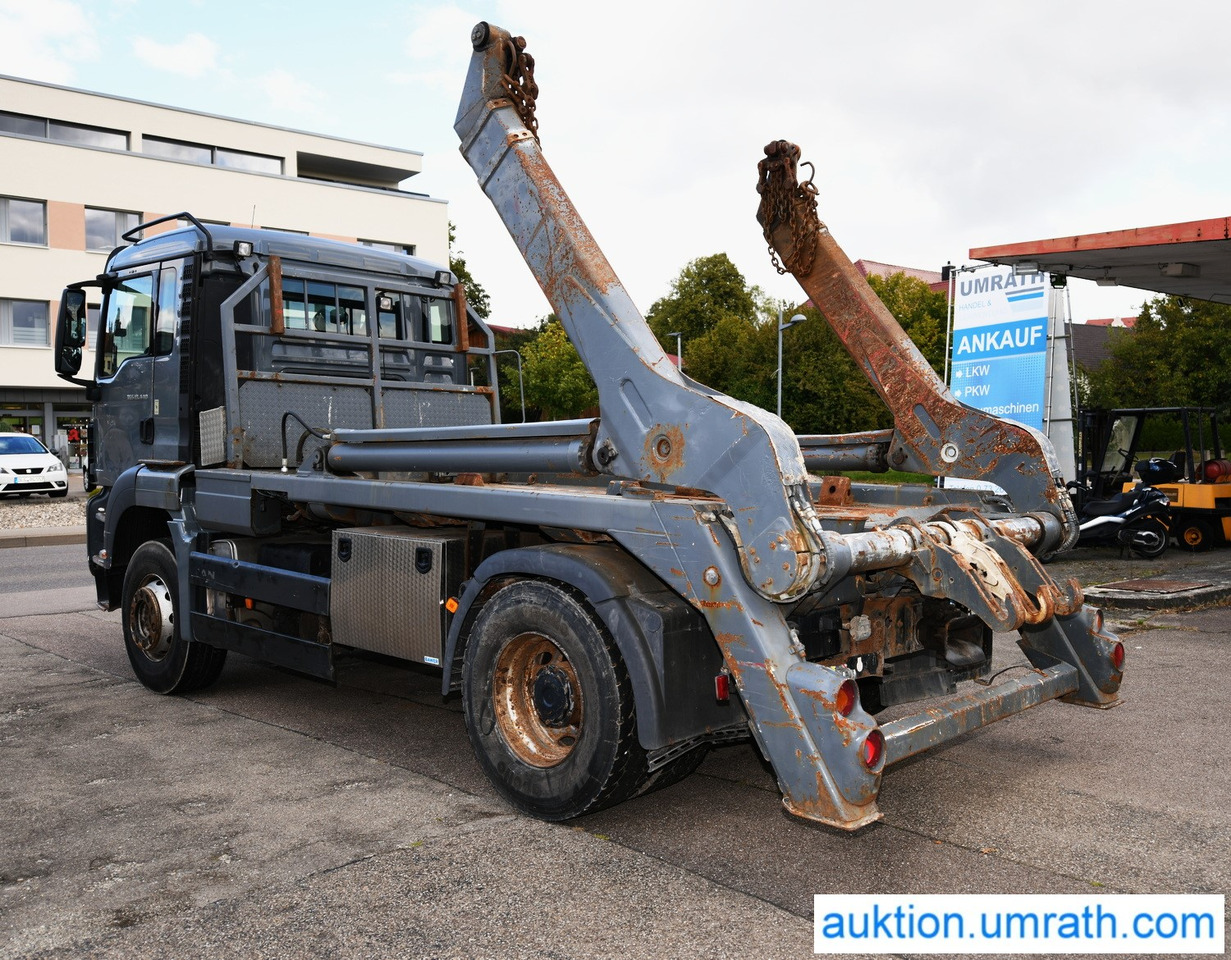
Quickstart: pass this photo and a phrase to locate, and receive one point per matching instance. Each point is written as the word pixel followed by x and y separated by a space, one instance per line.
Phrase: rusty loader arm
pixel 744 533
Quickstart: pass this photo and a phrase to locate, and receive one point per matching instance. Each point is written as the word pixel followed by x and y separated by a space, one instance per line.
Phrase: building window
pixel 22 125
pixel 23 323
pixel 23 221
pixel 86 136
pixel 239 160
pixel 104 229
pixel 406 248
pixel 63 131
pixel 176 150
pixel 204 154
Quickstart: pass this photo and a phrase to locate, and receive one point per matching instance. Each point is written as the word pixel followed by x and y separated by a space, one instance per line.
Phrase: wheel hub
pixel 536 700
pixel 151 618
pixel 553 696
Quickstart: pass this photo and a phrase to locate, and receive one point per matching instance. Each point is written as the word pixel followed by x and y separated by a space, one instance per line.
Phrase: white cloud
pixel 193 56
pixel 43 41
pixel 288 94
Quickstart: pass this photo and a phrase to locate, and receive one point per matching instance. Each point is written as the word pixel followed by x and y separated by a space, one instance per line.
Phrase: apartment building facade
pixel 79 169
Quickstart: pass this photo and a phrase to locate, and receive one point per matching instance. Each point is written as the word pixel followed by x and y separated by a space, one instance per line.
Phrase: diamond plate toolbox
pixel 389 588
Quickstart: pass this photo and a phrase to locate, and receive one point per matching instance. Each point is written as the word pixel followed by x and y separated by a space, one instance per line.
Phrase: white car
pixel 27 467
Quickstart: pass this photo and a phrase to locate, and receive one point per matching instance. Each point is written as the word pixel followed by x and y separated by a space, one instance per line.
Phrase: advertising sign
pixel 999 351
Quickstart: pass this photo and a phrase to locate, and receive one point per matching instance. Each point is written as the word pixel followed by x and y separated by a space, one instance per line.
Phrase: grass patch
pixel 893 476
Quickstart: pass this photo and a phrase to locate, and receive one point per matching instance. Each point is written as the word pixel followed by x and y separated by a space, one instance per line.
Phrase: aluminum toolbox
pixel 389 588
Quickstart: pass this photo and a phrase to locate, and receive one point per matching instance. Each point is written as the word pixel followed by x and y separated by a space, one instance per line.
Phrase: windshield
pixel 20 444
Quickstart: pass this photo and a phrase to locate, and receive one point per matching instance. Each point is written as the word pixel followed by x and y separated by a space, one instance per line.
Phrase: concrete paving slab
pixel 159 826
pixel 314 798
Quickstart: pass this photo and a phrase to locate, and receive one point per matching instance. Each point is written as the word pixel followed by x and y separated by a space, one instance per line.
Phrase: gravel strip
pixel 41 511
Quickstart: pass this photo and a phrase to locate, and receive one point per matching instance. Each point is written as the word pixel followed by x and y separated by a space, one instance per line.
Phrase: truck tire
pixel 549 705
pixel 160 657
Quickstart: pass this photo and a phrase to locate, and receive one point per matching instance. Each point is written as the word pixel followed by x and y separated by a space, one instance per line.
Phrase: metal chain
pixel 784 200
pixel 518 82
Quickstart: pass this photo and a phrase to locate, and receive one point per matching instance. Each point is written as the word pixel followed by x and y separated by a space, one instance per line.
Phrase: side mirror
pixel 70 332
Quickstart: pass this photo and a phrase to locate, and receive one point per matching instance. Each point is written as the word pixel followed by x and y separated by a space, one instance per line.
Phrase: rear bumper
pixel 950 718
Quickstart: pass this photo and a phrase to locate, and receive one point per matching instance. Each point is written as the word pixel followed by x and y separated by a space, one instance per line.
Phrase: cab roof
pixel 186 241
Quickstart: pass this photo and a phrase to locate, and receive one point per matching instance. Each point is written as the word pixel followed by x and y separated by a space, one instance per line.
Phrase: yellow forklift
pixel 1200 498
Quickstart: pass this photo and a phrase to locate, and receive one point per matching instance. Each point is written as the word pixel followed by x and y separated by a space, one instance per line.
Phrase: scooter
pixel 1139 519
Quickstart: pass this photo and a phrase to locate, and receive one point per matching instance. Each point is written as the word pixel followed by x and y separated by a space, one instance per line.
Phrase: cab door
pixel 137 332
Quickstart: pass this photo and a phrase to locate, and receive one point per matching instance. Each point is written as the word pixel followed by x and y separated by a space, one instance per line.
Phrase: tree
pixel 731 356
pixel 507 374
pixel 476 296
pixel 706 290
pixel 1178 354
pixel 557 382
pixel 922 312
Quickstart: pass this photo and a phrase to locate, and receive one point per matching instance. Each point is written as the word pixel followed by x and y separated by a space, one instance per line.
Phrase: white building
pixel 79 169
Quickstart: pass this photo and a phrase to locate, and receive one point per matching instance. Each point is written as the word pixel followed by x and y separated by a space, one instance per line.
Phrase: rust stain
pixel 835 492
pixel 664 451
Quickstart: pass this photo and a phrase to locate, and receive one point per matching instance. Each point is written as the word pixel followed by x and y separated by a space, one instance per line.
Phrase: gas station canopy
pixel 1182 259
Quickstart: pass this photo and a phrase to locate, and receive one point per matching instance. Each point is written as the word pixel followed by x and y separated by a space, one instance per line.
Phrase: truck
pixel 294 465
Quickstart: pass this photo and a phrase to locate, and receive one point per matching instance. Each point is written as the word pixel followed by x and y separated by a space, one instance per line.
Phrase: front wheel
pixel 1147 538
pixel 549 705
pixel 161 658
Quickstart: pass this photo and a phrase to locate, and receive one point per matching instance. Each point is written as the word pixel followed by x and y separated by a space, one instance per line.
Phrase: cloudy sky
pixel 934 128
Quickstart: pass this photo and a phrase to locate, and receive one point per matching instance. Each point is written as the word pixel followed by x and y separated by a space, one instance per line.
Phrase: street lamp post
pixel 679 347
pixel 521 384
pixel 798 318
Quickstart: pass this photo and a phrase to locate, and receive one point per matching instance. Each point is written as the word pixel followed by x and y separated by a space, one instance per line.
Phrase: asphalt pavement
pixel 274 816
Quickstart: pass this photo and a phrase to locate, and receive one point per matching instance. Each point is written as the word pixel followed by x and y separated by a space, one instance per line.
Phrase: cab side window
pixel 137 325
pixel 168 310
pixel 127 323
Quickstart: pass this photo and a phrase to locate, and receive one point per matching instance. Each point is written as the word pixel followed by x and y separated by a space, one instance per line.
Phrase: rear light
pixel 1117 656
pixel 872 750
pixel 722 688
pixel 847 698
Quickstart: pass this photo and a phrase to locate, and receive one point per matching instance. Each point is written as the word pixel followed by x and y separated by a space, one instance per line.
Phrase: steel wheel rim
pixel 537 700
pixel 1193 536
pixel 151 618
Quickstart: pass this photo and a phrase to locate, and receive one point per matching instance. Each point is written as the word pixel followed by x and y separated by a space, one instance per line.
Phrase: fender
pixel 667 646
pixel 111 534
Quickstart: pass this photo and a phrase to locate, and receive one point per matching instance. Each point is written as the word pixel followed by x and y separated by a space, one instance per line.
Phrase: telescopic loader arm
pixel 657 425
pixel 741 532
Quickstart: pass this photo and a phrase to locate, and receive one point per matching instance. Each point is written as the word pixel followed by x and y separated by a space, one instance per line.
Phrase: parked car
pixel 26 467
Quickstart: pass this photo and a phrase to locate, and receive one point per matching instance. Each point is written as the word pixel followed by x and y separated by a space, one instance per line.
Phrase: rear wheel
pixel 549 705
pixel 1196 535
pixel 162 659
pixel 1147 538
